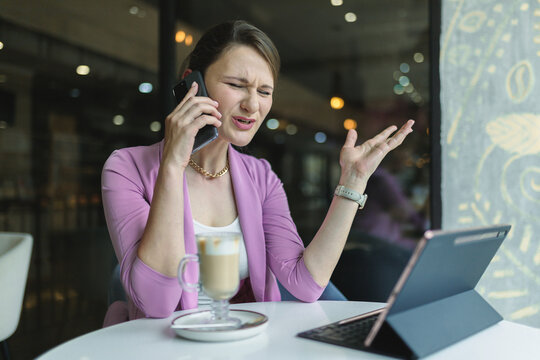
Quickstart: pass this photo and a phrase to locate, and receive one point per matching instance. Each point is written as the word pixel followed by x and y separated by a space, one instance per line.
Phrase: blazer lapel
pixel 250 215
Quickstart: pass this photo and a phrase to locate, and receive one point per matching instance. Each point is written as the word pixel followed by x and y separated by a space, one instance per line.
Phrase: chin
pixel 238 139
pixel 241 142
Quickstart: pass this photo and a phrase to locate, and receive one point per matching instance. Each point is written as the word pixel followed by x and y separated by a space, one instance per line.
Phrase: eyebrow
pixel 245 81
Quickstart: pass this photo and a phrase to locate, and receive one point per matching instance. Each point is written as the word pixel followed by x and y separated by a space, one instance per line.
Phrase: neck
pixel 212 157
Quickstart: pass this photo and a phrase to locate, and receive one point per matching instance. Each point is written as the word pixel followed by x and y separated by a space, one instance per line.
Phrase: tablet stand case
pixel 426 329
pixel 445 272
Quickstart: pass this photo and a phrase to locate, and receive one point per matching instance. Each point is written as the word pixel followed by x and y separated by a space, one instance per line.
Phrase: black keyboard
pixel 350 334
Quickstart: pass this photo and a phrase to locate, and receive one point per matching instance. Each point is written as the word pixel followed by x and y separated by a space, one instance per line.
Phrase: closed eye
pixel 240 86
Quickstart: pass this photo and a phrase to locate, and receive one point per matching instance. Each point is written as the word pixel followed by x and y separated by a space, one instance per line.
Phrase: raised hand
pixel 359 162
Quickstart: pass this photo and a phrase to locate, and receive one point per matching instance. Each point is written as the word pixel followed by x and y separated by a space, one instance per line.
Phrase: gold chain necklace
pixel 200 170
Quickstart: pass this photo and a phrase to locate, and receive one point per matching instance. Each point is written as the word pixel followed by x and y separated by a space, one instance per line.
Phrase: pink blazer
pixel 273 246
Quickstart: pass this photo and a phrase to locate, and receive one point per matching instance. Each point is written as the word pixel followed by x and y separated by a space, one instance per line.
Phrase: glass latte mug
pixel 219 276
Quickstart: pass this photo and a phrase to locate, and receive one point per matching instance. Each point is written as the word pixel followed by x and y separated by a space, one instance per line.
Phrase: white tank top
pixel 243 261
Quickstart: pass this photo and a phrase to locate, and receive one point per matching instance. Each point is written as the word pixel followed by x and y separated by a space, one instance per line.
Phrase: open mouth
pixel 243 123
pixel 244 120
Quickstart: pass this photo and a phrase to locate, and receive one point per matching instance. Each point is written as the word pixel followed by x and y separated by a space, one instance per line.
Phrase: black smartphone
pixel 209 132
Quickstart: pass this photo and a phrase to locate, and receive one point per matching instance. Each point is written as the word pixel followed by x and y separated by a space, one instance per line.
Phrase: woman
pixel 157 197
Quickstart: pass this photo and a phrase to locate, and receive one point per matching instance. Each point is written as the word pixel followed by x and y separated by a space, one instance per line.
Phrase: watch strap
pixel 355 196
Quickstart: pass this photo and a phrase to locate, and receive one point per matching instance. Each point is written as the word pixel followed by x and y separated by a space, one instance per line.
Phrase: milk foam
pixel 218 243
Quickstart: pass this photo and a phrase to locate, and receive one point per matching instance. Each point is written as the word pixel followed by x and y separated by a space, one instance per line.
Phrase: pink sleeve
pixel 126 193
pixel 284 247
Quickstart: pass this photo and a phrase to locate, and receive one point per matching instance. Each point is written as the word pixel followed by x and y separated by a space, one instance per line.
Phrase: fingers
pixel 204 120
pixel 383 135
pixel 191 100
pixel 398 137
pixel 352 136
pixel 196 107
pixel 191 93
pixel 182 124
pixel 193 120
pixel 410 123
pixel 192 114
pixel 193 107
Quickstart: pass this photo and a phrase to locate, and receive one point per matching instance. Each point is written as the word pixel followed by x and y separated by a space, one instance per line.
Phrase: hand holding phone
pixel 209 132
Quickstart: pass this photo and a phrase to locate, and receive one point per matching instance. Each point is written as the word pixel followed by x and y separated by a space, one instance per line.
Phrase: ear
pixel 186 73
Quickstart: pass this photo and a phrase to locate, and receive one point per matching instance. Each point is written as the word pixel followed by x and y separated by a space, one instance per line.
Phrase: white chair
pixel 15 252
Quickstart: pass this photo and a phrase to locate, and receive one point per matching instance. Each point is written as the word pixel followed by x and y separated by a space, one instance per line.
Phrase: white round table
pixel 153 338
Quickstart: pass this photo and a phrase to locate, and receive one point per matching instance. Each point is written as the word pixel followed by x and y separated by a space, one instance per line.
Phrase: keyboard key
pixel 348 334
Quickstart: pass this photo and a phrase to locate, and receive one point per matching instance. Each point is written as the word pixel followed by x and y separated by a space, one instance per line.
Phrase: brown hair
pixel 222 36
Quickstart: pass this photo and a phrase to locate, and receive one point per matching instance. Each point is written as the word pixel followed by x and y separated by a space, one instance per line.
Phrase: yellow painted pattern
pixel 491 51
pixel 507 294
pixel 525 312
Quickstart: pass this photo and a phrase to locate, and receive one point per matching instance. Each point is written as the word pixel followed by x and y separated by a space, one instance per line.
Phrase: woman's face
pixel 242 83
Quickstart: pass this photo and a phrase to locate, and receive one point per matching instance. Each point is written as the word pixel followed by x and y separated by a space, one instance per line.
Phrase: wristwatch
pixel 351 195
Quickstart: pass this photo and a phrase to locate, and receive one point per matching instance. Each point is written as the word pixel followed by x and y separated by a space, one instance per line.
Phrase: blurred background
pixel 79 79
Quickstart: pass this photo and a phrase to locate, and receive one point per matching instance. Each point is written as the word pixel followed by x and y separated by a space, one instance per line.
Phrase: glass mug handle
pixel 181 270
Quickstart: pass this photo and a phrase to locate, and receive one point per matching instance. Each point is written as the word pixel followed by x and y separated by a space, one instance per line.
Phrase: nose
pixel 250 102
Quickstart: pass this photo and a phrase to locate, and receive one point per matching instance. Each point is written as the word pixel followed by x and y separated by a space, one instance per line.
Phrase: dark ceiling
pixel 316 43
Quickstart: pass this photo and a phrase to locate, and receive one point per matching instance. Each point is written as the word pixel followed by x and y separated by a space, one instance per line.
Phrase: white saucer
pixel 252 323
